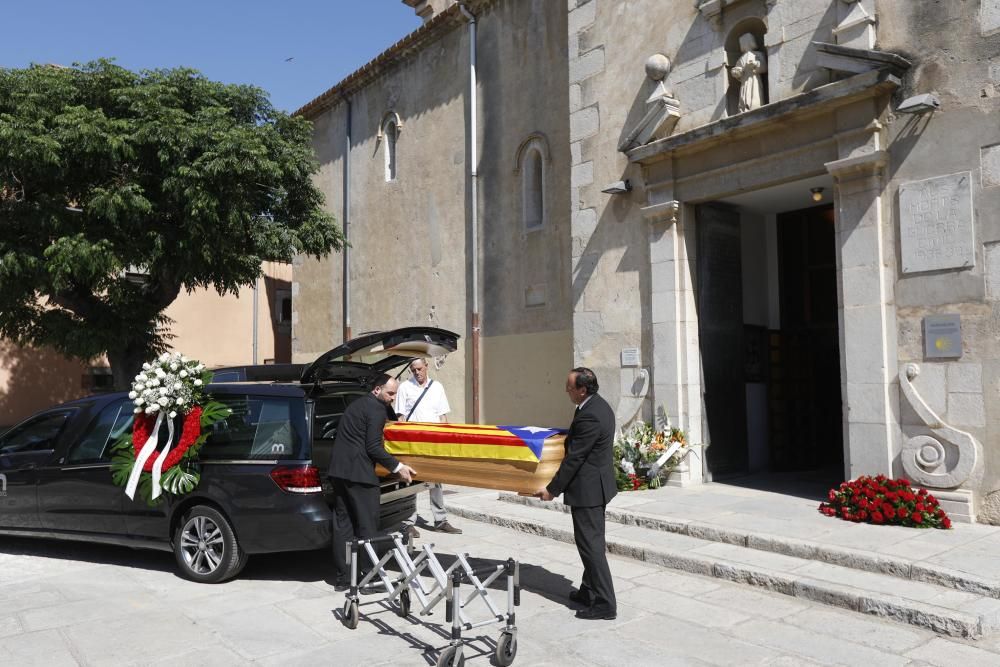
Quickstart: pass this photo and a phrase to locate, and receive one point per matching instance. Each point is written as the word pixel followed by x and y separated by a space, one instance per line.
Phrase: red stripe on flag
pixel 438 437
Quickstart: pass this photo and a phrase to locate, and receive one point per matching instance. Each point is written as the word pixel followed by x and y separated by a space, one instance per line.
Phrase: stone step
pixel 855 559
pixel 944 610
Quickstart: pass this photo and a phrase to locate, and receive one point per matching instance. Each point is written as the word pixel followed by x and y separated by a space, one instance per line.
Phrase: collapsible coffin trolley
pixel 447 586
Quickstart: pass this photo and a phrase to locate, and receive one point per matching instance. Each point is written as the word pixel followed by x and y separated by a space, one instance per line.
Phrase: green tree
pixel 119 189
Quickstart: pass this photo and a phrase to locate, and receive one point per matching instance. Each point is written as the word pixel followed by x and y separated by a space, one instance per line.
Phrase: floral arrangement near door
pixel 881 500
pixel 645 456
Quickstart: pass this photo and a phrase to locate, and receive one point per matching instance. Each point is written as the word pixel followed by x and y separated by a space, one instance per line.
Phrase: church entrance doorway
pixel 766 288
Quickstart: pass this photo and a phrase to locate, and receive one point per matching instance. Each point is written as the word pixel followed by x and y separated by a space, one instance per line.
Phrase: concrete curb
pixel 855 559
pixel 941 620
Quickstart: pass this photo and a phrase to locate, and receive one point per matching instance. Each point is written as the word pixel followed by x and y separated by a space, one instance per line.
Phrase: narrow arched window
pixel 391 134
pixel 533 189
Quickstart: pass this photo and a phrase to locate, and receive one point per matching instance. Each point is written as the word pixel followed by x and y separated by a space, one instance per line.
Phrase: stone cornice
pixel 769 117
pixel 429 32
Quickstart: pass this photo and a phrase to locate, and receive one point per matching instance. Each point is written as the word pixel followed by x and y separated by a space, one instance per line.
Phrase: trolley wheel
pixel 351 614
pixel 404 603
pixel 506 649
pixel 449 658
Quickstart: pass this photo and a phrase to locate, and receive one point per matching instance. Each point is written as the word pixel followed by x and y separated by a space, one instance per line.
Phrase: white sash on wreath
pixel 147 451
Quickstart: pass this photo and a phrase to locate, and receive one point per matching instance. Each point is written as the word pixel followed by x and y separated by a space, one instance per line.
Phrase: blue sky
pixel 236 41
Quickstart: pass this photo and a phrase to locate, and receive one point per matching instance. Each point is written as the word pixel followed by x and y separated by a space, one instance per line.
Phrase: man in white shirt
pixel 421 399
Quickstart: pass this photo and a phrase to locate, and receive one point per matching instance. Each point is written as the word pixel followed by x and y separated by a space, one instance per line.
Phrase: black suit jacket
pixel 587 476
pixel 359 444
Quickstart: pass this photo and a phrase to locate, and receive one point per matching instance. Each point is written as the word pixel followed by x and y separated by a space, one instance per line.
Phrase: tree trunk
pixel 125 364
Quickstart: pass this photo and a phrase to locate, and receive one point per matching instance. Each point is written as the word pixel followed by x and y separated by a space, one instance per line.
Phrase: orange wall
pixel 216 330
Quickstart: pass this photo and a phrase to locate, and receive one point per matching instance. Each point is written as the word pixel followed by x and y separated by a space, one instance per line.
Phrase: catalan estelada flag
pixel 467 441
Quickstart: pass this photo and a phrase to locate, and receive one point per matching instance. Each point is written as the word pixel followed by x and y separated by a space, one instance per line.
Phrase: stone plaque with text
pixel 936 230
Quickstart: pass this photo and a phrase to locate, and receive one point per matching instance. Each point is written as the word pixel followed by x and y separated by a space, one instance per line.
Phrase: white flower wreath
pixel 169 384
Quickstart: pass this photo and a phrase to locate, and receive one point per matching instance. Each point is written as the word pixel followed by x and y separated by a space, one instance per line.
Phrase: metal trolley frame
pixel 447 586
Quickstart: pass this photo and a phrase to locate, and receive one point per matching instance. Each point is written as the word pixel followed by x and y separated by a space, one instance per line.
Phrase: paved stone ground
pixel 79 604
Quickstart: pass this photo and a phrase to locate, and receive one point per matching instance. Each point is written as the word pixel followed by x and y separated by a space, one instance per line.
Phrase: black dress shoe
pixel 597 614
pixel 341 585
pixel 581 597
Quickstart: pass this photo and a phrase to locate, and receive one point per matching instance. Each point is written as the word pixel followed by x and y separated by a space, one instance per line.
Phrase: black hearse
pixel 262 485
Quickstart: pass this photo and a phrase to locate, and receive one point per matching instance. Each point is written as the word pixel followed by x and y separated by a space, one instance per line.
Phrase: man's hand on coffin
pixel 544 494
pixel 406 472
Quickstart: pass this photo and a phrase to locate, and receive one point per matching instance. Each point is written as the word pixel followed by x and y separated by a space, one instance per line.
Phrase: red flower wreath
pixel 190 432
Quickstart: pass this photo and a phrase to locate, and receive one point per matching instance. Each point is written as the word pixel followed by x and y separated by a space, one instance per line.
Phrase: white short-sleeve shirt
pixel 431 407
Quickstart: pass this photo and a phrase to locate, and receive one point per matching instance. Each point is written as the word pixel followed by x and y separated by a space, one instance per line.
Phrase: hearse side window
pixel 259 428
pixel 95 445
pixel 226 376
pixel 329 410
pixel 39 434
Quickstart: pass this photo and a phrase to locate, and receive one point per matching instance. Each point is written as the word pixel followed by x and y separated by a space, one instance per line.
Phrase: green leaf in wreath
pixel 178 481
pixel 213 412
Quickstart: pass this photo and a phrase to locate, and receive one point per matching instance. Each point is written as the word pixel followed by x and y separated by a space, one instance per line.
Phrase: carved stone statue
pixel 747 71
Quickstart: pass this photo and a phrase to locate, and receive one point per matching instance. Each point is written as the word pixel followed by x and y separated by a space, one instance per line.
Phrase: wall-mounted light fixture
pixel 919 104
pixel 618 188
pixel 817 194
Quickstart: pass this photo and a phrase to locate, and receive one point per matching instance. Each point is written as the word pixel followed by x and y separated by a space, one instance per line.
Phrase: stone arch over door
pixel 836 131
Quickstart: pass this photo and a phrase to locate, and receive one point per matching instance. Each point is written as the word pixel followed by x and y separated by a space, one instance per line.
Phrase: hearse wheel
pixel 206 548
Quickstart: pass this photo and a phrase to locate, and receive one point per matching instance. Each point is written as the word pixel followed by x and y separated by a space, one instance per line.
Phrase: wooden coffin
pixel 516 476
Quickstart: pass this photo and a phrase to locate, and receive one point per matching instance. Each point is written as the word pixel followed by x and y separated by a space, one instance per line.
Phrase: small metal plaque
pixel 943 336
pixel 630 357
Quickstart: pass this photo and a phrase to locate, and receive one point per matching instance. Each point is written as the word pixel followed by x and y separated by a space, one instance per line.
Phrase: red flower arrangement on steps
pixel 881 500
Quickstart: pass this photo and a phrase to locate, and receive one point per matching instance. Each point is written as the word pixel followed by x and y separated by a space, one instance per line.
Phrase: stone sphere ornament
pixel 657 67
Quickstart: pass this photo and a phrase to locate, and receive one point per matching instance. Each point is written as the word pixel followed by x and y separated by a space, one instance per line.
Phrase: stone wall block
pixel 873 458
pixel 664 307
pixel 584 223
pixel 861 286
pixel 584 123
pixel 581 17
pixel 573 45
pixel 965 378
pixel 586 65
pixel 863 331
pixel 582 175
pixel 664 277
pixel 858 247
pixel 966 410
pixel 588 330
pixel 575 97
pixel 989 159
pixel 866 403
pixel 989 16
pixel 991 253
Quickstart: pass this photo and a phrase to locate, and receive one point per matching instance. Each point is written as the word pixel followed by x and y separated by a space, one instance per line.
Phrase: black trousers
pixel 355 516
pixel 588 533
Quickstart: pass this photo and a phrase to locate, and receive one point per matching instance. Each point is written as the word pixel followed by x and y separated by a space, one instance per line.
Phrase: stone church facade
pixel 771 220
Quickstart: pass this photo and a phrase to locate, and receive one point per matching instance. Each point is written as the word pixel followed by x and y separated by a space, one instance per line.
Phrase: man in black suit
pixel 586 477
pixel 357 447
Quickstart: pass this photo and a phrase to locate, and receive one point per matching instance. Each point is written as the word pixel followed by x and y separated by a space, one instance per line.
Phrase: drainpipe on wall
pixel 347 225
pixel 256 290
pixel 474 214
